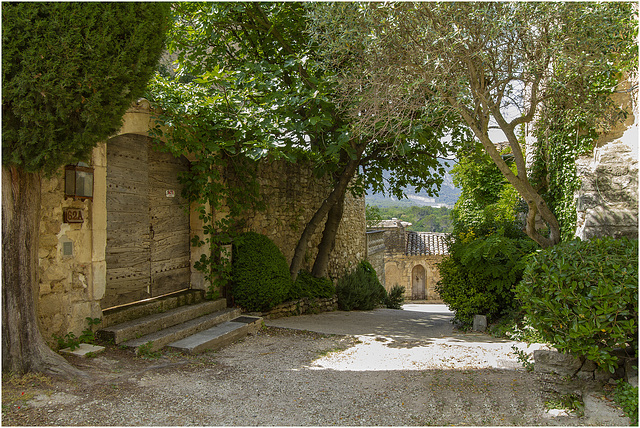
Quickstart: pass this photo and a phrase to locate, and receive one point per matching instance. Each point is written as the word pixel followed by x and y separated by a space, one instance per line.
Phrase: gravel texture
pixel 287 377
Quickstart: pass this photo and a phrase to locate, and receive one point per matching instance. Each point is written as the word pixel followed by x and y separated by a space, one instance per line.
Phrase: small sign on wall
pixel 171 193
pixel 73 215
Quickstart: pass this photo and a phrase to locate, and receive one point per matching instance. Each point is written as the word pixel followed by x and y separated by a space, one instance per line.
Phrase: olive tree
pixel 69 72
pixel 492 64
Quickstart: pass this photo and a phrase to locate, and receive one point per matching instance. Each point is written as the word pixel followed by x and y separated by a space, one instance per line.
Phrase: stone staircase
pixel 183 321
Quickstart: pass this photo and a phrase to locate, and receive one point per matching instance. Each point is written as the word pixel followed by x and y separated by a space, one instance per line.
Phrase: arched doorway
pixel 418 281
pixel 148 246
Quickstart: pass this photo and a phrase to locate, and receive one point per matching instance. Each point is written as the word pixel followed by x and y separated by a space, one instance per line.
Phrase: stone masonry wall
pixel 607 202
pixel 375 253
pixel 68 290
pixel 292 194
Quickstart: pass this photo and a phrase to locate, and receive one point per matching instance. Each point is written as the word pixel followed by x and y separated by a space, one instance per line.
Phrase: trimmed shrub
pixel 307 285
pixel 395 297
pixel 360 289
pixel 582 296
pixel 260 273
pixel 479 275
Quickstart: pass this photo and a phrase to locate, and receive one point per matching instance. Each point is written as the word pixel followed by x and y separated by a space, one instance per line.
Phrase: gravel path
pixel 289 377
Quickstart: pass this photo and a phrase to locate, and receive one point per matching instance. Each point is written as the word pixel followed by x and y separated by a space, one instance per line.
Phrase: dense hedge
pixel 260 273
pixel 307 285
pixel 69 73
pixel 582 297
pixel 360 289
pixel 479 275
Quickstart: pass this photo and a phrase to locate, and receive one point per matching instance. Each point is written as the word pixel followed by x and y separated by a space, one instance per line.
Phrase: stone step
pixel 154 322
pixel 137 310
pixel 218 336
pixel 161 338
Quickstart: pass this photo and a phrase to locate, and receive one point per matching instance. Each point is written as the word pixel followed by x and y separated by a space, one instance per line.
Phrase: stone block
pixel 556 362
pixel 480 323
pixel 631 372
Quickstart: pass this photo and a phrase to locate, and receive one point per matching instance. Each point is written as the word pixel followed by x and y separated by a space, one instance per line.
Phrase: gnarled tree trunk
pixel 336 194
pixel 23 348
pixel 321 265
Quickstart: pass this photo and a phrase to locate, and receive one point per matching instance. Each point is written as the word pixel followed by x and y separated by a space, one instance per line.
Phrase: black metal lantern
pixel 79 181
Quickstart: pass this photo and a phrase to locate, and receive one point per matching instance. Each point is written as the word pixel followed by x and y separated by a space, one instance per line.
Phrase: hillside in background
pixel 447 196
pixel 422 219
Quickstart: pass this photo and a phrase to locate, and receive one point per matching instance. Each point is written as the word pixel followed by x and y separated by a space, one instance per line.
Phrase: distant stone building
pixel 405 258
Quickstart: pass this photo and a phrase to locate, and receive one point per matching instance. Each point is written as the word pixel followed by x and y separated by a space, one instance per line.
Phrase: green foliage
pixel 524 358
pixel 486 197
pixel 69 73
pixel 395 297
pixel 422 219
pixel 572 402
pixel 568 122
pixel 582 297
pixel 566 54
pixel 260 274
pixel 145 351
pixel 478 276
pixel 70 340
pixel 360 289
pixel 373 215
pixel 626 396
pixel 306 285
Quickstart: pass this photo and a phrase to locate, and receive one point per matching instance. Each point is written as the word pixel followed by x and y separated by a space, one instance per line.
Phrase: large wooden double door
pixel 148 247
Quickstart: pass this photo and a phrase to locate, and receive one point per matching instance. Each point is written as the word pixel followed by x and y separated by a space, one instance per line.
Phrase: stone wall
pixel 70 285
pixel 375 253
pixel 302 306
pixel 607 202
pixel 292 195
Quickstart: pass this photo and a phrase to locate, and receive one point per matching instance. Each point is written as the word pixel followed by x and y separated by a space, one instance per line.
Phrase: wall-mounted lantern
pixel 78 181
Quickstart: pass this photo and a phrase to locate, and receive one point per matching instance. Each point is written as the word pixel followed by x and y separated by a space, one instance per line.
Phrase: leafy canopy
pixel 69 72
pixel 489 64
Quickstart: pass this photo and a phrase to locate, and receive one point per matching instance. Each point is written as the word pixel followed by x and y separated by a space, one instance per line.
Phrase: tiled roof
pixel 428 243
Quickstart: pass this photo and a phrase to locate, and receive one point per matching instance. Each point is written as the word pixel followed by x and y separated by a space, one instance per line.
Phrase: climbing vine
pixel 582 109
pixel 221 183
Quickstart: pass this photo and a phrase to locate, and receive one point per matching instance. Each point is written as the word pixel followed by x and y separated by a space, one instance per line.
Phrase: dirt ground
pixel 289 377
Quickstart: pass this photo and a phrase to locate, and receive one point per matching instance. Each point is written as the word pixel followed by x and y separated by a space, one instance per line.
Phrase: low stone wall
pixel 554 362
pixel 302 306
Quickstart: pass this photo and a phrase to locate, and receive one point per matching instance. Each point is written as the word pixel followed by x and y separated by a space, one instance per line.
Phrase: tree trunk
pixel 23 348
pixel 535 202
pixel 336 194
pixel 321 265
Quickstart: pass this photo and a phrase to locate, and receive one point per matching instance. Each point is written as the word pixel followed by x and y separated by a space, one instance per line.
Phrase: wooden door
pixel 169 224
pixel 418 279
pixel 148 251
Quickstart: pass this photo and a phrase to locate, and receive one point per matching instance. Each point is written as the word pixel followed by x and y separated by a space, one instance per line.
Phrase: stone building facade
pixel 408 259
pixel 607 202
pixel 93 250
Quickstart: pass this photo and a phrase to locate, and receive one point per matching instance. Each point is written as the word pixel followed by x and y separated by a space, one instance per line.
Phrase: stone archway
pixel 418 283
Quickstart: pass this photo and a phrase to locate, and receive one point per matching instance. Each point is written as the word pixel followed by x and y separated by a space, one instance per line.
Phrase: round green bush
pixel 260 273
pixel 360 289
pixel 395 297
pixel 582 297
